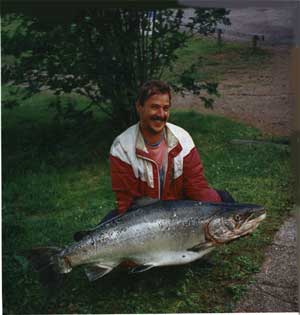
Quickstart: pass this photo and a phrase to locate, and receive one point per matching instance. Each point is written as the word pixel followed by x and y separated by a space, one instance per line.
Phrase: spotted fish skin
pixel 160 234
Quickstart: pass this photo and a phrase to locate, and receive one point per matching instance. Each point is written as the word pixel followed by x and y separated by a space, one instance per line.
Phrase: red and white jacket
pixel 135 175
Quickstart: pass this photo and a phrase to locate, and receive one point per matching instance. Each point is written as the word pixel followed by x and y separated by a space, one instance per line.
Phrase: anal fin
pixel 96 271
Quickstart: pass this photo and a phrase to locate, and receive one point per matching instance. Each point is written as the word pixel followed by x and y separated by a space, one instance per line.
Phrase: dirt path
pixel 275 287
pixel 259 97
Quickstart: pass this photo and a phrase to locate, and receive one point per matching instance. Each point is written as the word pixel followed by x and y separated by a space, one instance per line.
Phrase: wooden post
pixel 254 41
pixel 255 38
pixel 219 37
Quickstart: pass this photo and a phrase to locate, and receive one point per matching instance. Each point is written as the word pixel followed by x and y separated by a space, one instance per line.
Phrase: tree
pixel 107 54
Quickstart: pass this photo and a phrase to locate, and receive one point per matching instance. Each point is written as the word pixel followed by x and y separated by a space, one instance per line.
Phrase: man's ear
pixel 138 106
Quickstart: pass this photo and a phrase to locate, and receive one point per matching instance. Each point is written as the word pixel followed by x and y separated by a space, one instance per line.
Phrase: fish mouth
pixel 251 223
pixel 258 215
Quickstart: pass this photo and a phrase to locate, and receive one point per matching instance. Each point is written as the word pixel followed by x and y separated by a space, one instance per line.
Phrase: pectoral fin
pixel 96 271
pixel 200 247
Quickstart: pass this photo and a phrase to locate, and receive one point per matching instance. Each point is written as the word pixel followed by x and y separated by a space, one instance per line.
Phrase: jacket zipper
pixel 166 170
pixel 142 157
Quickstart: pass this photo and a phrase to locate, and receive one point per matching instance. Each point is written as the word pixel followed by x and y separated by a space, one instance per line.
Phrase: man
pixel 157 159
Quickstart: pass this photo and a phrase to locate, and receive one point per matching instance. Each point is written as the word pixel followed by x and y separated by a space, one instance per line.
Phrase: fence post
pixel 219 37
pixel 254 41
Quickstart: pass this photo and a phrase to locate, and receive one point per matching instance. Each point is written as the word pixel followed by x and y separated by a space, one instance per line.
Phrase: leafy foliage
pixel 107 54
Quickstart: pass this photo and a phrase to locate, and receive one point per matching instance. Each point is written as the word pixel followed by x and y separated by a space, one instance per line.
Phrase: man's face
pixel 154 113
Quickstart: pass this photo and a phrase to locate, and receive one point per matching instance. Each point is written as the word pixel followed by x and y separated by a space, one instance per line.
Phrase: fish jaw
pixel 250 226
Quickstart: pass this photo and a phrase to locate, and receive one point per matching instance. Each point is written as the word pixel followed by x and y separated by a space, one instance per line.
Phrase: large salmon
pixel 160 234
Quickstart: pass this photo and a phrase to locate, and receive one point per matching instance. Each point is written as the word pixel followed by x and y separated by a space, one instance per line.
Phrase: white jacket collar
pixel 171 139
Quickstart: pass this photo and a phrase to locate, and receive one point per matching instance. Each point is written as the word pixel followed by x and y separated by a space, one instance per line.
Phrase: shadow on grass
pixel 121 291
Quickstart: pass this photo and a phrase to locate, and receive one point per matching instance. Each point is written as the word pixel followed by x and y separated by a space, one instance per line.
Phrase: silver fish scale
pixel 161 234
pixel 151 230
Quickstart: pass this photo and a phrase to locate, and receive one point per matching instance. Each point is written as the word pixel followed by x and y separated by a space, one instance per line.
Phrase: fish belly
pixel 169 258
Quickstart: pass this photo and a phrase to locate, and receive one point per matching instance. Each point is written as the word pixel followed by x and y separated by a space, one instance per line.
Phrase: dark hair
pixel 153 87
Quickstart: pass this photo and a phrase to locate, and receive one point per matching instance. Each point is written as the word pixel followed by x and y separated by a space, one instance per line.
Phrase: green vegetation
pixel 56 182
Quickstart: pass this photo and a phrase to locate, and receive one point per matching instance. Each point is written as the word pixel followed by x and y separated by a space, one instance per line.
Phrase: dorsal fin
pixel 143 202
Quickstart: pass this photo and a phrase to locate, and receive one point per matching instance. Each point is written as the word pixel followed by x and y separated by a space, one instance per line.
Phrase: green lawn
pixel 56 181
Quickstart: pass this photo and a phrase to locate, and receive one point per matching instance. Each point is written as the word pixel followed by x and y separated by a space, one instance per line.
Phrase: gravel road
pixel 274 23
pixel 260 97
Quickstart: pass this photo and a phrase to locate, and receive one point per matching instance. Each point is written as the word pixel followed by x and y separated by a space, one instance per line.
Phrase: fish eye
pixel 237 217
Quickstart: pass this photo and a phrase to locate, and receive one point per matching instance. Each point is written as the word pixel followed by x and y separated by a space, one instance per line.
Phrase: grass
pixel 56 181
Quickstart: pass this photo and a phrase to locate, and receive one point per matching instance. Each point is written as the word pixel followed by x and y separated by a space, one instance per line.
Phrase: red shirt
pixel 159 154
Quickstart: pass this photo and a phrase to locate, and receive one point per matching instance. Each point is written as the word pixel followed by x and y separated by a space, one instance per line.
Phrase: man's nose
pixel 161 112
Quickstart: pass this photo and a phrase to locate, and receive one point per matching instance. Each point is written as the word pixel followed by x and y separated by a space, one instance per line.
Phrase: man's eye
pixel 155 107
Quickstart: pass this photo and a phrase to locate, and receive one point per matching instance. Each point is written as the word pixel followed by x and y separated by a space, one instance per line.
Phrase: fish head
pixel 233 221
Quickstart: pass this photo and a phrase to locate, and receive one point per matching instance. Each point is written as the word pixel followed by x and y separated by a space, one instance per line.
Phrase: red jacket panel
pixel 135 175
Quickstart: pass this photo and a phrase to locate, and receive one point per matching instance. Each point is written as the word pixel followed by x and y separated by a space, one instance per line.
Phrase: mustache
pixel 163 119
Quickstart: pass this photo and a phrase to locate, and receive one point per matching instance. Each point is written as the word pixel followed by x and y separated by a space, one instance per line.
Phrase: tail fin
pixel 41 259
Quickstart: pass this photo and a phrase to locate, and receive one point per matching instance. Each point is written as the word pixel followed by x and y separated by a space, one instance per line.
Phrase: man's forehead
pixel 159 98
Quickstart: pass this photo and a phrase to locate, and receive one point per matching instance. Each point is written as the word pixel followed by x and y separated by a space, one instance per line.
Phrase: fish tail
pixel 44 261
pixel 41 257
